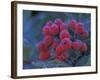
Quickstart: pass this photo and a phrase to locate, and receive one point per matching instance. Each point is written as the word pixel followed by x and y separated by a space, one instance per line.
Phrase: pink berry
pixel 64 34
pixel 48 40
pixel 54 29
pixel 63 27
pixel 46 30
pixel 42 46
pixel 84 47
pixel 55 44
pixel 85 34
pixel 76 45
pixel 79 28
pixel 58 21
pixel 44 55
pixel 67 43
pixel 59 49
pixel 62 57
pixel 72 24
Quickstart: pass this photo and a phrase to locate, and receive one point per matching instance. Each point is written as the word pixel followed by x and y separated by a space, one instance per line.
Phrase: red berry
pixel 85 34
pixel 59 49
pixel 42 46
pixel 64 34
pixel 44 55
pixel 48 40
pixel 76 45
pixel 62 57
pixel 84 47
pixel 72 24
pixel 54 29
pixel 79 28
pixel 58 21
pixel 55 44
pixel 63 26
pixel 46 30
pixel 67 43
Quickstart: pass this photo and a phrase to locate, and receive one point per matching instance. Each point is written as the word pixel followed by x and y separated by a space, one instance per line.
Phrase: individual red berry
pixel 67 43
pixel 58 21
pixel 85 34
pixel 44 55
pixel 79 28
pixel 59 49
pixel 42 46
pixel 46 30
pixel 62 57
pixel 63 27
pixel 48 39
pixel 76 45
pixel 55 44
pixel 72 24
pixel 54 29
pixel 64 34
pixel 84 47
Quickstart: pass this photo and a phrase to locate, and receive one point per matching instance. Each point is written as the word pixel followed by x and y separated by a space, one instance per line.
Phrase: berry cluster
pixel 58 37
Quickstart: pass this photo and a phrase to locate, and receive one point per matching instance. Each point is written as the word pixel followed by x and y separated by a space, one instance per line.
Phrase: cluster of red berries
pixel 78 28
pixel 57 36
